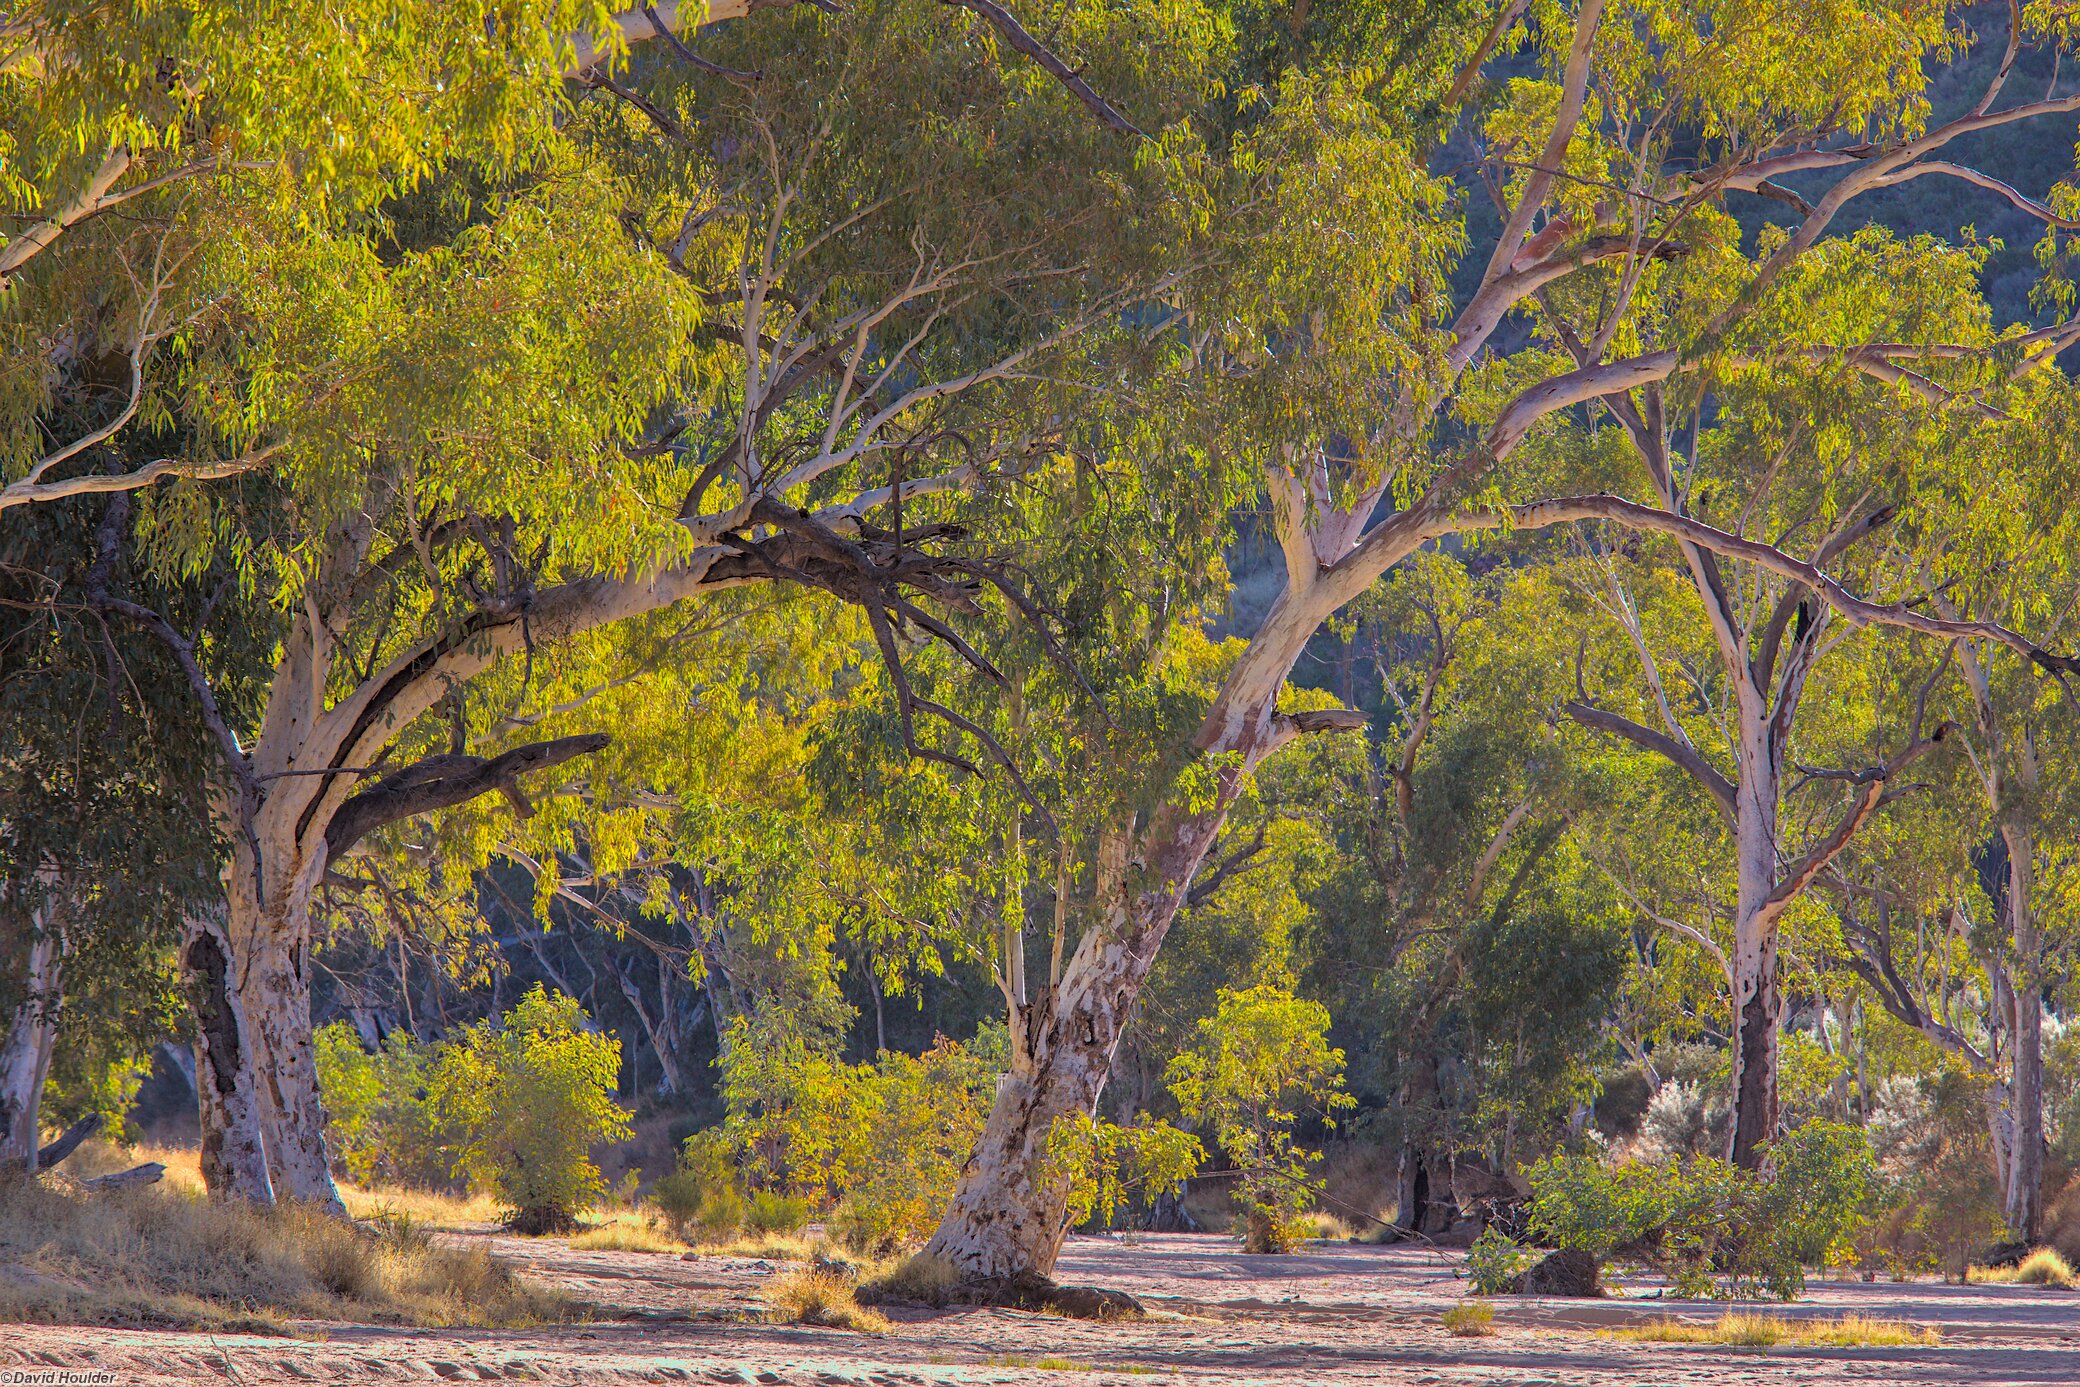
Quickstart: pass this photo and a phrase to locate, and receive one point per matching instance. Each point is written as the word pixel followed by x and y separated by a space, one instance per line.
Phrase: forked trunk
pixel 1009 1211
pixel 234 1153
pixel 25 1054
pixel 1008 1215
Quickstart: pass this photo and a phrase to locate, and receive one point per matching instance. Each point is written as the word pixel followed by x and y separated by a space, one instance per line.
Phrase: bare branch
pixel 439 782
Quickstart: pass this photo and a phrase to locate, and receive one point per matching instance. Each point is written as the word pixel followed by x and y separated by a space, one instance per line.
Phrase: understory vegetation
pixel 887 631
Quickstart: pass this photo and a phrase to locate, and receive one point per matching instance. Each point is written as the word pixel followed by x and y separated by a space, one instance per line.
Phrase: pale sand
pixel 1330 1315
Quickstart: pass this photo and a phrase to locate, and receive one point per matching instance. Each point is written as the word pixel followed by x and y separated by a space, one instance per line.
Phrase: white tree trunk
pixel 234 1151
pixel 271 947
pixel 25 1055
pixel 1008 1215
pixel 2023 1175
pixel 1755 997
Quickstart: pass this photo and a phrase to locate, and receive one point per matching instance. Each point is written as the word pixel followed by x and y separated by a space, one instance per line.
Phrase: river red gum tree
pixel 1007 1216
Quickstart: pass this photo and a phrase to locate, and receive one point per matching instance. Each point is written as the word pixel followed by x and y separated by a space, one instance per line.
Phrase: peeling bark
pixel 25 1055
pixel 234 1156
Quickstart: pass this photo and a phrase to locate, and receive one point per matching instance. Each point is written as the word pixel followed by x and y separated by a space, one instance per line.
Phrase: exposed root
pixel 924 1285
pixel 543 1223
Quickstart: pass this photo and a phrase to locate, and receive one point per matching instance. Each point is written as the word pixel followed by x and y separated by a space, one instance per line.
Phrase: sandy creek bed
pixel 1337 1314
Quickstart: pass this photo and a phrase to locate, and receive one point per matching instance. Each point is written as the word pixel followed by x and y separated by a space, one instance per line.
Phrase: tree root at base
pixel 1026 1291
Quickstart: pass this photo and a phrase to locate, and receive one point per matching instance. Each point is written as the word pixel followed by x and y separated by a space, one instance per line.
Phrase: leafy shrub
pixel 378 1121
pixel 525 1104
pixel 1106 1164
pixel 1261 1060
pixel 1496 1260
pixel 772 1212
pixel 881 1145
pixel 1710 1226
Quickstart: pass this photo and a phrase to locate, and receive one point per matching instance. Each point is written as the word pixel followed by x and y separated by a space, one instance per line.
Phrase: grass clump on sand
pixel 1769 1331
pixel 923 1278
pixel 626 1235
pixel 2044 1267
pixel 162 1258
pixel 1469 1321
pixel 825 1298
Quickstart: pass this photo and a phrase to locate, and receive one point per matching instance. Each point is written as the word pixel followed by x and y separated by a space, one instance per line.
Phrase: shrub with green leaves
pixel 1496 1260
pixel 1713 1228
pixel 378 1122
pixel 1261 1061
pixel 526 1102
pixel 876 1146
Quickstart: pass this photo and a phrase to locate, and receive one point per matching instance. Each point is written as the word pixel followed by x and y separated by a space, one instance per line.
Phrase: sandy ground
pixel 1337 1314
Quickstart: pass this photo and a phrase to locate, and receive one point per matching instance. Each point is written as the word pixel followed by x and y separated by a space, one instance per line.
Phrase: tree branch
pixel 1668 748
pixel 440 782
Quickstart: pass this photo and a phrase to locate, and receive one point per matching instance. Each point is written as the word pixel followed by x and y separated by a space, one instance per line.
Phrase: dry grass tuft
pixel 161 1258
pixel 425 1208
pixel 2044 1267
pixel 1328 1227
pixel 825 1298
pixel 1768 1331
pixel 626 1235
pixel 1473 1320
pixel 922 1278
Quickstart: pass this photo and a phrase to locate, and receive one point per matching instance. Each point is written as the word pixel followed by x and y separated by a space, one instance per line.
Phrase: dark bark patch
pixel 1568 1272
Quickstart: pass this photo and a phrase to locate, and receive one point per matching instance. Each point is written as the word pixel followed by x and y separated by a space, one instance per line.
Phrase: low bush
pixel 161 1258
pixel 525 1103
pixel 769 1211
pixel 1469 1321
pixel 1496 1260
pixel 1258 1064
pixel 1712 1228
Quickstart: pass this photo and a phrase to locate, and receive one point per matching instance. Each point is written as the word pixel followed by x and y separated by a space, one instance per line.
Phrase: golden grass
pixel 1328 1227
pixel 825 1298
pixel 2044 1267
pixel 922 1278
pixel 626 1234
pixel 1472 1320
pixel 162 1257
pixel 1742 1330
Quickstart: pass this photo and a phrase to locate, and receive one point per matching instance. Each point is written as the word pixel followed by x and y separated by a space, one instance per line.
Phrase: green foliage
pixel 526 1101
pixel 1262 1061
pixel 1496 1260
pixel 1107 1165
pixel 381 1123
pixel 1714 1228
pixel 880 1145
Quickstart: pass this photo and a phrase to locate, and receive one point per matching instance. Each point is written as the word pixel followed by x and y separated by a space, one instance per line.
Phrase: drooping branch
pixel 1873 781
pixel 1015 34
pixel 440 782
pixel 1668 748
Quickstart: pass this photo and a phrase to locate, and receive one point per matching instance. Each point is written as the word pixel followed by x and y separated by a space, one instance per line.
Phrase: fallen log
pixel 150 1173
pixel 65 1145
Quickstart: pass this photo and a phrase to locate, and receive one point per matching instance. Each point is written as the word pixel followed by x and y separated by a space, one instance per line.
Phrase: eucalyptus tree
pixel 625 367
pixel 1609 174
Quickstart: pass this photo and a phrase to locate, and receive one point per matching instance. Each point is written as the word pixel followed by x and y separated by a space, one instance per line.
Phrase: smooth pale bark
pixel 234 1154
pixel 2022 1175
pixel 25 1056
pixel 1756 1002
pixel 1008 1215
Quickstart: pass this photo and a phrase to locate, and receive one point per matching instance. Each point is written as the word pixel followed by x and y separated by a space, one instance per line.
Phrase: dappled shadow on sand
pixel 1327 1315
